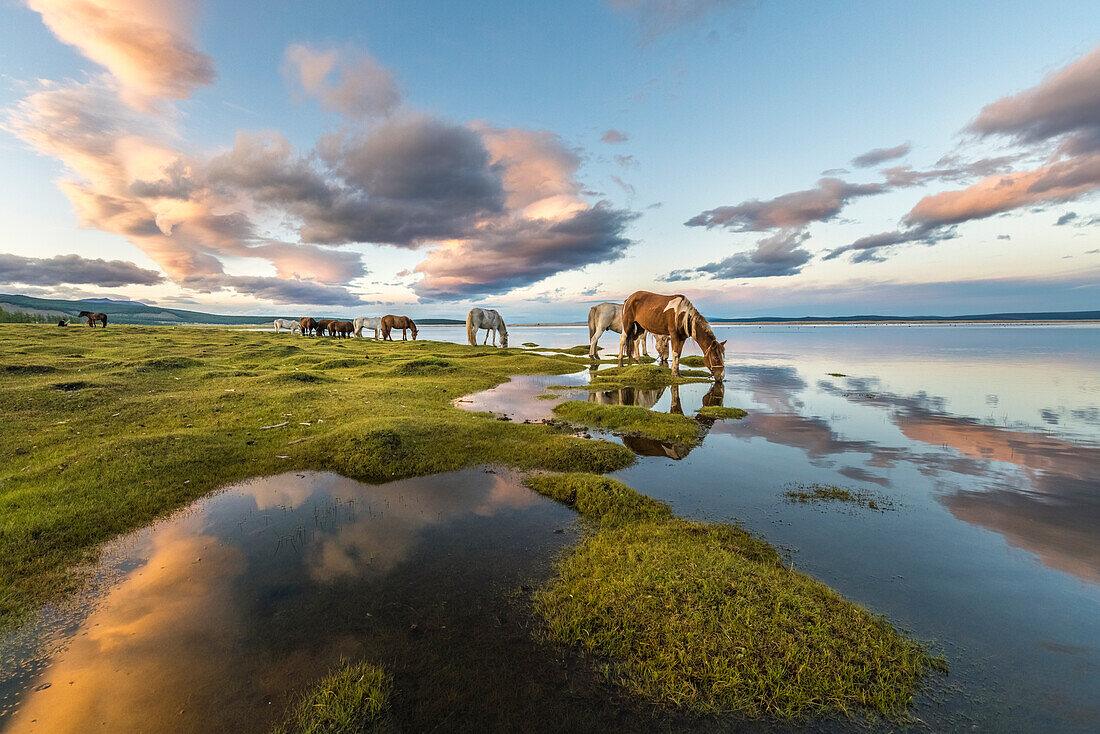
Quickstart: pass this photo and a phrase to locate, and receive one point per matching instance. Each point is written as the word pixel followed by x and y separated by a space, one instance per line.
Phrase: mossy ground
pixel 822 493
pixel 721 411
pixel 630 419
pixel 644 376
pixel 106 429
pixel 707 617
pixel 351 700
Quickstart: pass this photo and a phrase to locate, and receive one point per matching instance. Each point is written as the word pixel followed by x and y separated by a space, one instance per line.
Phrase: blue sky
pixel 721 104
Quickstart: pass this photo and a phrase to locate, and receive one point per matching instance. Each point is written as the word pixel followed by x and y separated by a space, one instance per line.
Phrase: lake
pixel 978 447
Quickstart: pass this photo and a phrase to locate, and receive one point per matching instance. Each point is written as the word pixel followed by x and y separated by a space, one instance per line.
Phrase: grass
pixel 630 419
pixel 530 344
pixel 105 430
pixel 720 411
pixel 821 493
pixel 836 374
pixel 644 376
pixel 351 700
pixel 706 617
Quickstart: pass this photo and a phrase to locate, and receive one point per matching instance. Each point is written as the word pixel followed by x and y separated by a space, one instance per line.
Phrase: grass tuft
pixel 720 411
pixel 821 493
pixel 352 700
pixel 643 376
pixel 598 498
pixel 630 419
pixel 425 366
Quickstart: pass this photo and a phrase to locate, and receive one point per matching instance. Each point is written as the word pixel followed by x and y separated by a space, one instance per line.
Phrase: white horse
pixel 607 317
pixel 488 319
pixel 288 325
pixel 363 322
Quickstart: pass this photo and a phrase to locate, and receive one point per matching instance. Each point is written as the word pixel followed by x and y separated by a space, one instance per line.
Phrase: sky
pixel 359 158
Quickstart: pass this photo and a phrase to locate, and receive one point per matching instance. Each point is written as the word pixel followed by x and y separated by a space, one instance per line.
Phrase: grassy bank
pixel 631 419
pixel 107 429
pixel 351 700
pixel 706 617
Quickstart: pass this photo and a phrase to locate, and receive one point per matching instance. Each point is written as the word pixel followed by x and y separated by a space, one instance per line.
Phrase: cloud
pixel 349 81
pixel 1065 219
pixel 880 155
pixel 871 247
pixel 74 269
pixel 626 160
pixel 796 209
pixel 658 17
pixel 614 136
pixel 628 188
pixel 514 253
pixel 145 44
pixel 776 255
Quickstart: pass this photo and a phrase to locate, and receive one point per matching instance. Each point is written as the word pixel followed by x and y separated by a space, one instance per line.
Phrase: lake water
pixel 980 445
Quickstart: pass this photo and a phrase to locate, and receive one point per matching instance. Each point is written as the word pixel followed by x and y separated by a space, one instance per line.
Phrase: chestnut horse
pixel 93 317
pixel 324 326
pixel 391 322
pixel 676 317
pixel 343 329
pixel 308 325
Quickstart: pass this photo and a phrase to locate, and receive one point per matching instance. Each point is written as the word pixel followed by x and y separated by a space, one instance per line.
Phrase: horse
pixel 291 326
pixel 606 317
pixel 363 322
pixel 324 326
pixel 661 343
pixel 488 319
pixel 391 322
pixel 307 325
pixel 342 329
pixel 63 322
pixel 93 317
pixel 676 317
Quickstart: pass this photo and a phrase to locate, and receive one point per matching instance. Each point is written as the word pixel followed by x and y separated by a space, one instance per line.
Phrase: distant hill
pixel 135 312
pixel 1038 316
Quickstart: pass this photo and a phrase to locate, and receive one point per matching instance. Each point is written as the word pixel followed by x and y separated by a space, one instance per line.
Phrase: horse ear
pixel 723 343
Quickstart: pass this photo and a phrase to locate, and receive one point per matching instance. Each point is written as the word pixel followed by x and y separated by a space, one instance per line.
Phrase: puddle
pixel 213 619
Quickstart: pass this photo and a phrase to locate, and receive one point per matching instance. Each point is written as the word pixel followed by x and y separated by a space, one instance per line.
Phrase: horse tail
pixel 471 330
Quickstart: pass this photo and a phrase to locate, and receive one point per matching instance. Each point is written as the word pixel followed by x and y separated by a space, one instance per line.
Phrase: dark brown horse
pixel 93 317
pixel 391 322
pixel 324 326
pixel 342 329
pixel 676 317
pixel 308 325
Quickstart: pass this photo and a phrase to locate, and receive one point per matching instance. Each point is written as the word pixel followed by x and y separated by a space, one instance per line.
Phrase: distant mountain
pixel 1038 316
pixel 135 312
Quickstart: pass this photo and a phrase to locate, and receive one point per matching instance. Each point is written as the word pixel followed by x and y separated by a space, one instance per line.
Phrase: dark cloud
pixel 1004 237
pixel 869 248
pixel 277 290
pixel 74 269
pixel 776 255
pixel 795 209
pixel 880 155
pixel 614 136
pixel 518 252
pixel 1065 219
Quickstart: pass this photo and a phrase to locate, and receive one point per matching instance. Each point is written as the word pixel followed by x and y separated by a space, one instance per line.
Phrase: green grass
pixel 105 430
pixel 530 344
pixel 349 701
pixel 643 376
pixel 720 411
pixel 706 617
pixel 836 374
pixel 821 493
pixel 630 419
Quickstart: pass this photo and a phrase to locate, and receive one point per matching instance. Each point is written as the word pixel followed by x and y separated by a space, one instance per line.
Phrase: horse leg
pixel 404 337
pixel 676 346
pixel 592 339
pixel 624 344
pixel 641 341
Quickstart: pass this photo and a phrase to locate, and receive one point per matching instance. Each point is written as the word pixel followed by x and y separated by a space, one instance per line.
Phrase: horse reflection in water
pixel 647 398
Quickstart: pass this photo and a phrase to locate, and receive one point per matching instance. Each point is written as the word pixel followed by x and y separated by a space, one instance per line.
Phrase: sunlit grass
pixel 630 419
pixel 352 700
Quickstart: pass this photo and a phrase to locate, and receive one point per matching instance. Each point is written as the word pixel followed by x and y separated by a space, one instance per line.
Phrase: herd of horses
pixel 671 319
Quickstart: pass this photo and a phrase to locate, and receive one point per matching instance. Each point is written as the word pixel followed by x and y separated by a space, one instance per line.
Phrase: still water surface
pixel 982 442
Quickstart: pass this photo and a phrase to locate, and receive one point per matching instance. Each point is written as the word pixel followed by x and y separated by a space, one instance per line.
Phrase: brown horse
pixel 308 325
pixel 93 317
pixel 324 326
pixel 342 329
pixel 676 317
pixel 391 322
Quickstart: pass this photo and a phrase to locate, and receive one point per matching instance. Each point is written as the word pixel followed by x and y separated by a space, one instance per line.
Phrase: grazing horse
pixel 676 317
pixel 342 329
pixel 606 317
pixel 324 326
pixel 307 325
pixel 391 322
pixel 488 319
pixel 93 317
pixel 288 325
pixel 363 322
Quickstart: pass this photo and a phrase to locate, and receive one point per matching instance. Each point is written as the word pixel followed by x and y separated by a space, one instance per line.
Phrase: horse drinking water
pixel 488 319
pixel 607 317
pixel 676 317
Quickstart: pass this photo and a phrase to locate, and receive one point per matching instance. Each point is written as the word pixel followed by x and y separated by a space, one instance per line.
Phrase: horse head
pixel 714 357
